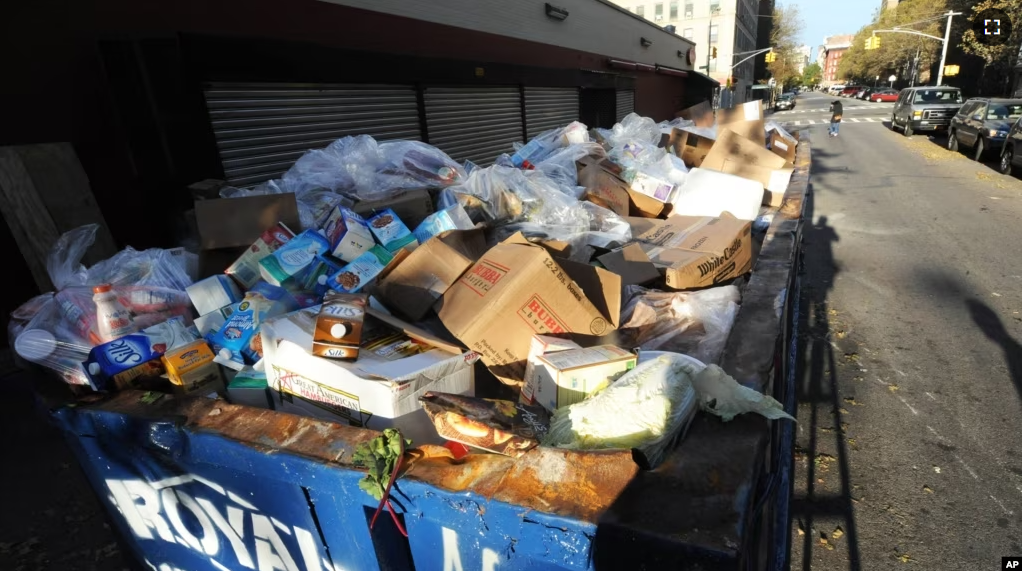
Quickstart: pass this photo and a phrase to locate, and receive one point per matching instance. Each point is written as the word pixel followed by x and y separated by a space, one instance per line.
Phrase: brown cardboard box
pixel 689 147
pixel 696 251
pixel 631 263
pixel 783 147
pixel 701 114
pixel 517 290
pixel 411 206
pixel 737 155
pixel 746 120
pixel 610 191
pixel 414 286
pixel 239 222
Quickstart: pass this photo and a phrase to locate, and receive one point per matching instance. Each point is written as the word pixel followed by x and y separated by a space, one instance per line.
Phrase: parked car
pixel 925 109
pixel 982 125
pixel 1011 154
pixel 885 94
pixel 864 93
pixel 850 90
pixel 785 101
pixel 835 89
pixel 860 93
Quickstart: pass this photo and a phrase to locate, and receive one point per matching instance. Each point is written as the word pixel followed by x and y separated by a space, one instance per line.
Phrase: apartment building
pixel 829 56
pixel 802 56
pixel 728 25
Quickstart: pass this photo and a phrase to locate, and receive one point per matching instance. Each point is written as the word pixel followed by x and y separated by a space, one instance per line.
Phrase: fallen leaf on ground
pixel 892 388
pixel 927 489
pixel 838 533
pixel 905 558
pixel 936 469
pixel 851 401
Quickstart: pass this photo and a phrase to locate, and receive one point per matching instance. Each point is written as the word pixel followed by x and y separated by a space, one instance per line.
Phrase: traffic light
pixel 771 57
pixel 873 43
pixel 713 53
pixel 876 42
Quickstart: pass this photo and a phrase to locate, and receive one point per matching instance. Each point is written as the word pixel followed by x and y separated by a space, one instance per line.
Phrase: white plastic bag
pixel 634 128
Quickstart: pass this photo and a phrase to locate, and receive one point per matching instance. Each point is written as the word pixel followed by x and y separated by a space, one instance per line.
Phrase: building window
pixel 714 6
pixel 674 10
pixel 688 10
pixel 658 12
pixel 688 33
pixel 713 33
pixel 640 11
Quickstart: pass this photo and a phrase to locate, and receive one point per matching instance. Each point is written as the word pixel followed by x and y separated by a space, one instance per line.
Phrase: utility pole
pixel 943 51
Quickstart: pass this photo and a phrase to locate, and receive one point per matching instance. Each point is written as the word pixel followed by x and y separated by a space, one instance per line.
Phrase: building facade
pixel 829 56
pixel 730 26
pixel 802 57
pixel 888 4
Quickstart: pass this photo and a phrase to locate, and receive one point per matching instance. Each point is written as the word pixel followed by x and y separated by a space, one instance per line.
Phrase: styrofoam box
pixel 708 193
pixel 371 392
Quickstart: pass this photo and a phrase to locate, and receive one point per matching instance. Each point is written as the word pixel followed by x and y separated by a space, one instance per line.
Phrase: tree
pixel 900 54
pixel 812 75
pixel 998 59
pixel 784 36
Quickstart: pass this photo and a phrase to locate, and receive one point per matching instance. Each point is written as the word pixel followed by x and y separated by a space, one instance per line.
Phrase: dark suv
pixel 925 108
pixel 982 125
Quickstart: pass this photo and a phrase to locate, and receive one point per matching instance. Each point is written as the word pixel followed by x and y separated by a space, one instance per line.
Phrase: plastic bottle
pixel 112 319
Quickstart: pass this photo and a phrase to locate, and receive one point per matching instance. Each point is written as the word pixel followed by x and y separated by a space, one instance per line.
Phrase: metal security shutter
pixel 549 107
pixel 625 103
pixel 474 123
pixel 261 129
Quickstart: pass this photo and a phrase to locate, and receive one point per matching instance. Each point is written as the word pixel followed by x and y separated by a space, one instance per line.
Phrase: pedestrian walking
pixel 835 118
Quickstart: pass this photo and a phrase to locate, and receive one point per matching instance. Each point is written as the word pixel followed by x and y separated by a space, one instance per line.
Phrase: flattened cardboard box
pixel 517 290
pixel 632 264
pixel 746 120
pixel 689 147
pixel 783 147
pixel 737 155
pixel 414 286
pixel 695 251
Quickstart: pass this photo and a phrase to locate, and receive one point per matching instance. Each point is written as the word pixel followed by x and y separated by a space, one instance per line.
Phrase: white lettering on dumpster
pixel 452 557
pixel 157 511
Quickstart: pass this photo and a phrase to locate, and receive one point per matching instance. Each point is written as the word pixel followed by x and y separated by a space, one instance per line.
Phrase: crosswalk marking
pixel 800 122
pixel 853 120
pixel 811 122
pixel 876 106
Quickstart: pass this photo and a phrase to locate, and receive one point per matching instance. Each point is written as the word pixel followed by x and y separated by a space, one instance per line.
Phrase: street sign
pixel 772 82
pixel 892 78
pixel 951 70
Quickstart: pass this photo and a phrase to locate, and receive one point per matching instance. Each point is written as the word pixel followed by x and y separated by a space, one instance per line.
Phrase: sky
pixel 831 17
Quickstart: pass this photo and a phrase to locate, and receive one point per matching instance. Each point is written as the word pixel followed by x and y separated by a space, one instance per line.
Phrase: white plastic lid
pixel 35 345
pixel 94 369
pixel 321 280
pixel 225 353
pixel 338 330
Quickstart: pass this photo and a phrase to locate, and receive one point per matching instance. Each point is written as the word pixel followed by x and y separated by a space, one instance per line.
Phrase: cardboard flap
pixel 701 114
pixel 239 222
pixel 602 288
pixel 632 264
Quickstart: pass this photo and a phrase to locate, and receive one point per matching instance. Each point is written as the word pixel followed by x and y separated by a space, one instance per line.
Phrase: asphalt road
pixel 908 444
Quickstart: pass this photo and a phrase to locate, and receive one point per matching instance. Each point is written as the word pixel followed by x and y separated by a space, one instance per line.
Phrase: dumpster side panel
pixel 187 498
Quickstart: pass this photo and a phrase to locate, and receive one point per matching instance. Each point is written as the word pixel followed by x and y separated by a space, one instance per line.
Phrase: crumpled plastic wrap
pixel 411 164
pixel 693 323
pixel 560 165
pixel 722 395
pixel 548 142
pixel 499 194
pixel 634 128
pixel 774 126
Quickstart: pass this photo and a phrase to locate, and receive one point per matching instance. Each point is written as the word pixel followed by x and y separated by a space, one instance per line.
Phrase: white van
pixel 835 89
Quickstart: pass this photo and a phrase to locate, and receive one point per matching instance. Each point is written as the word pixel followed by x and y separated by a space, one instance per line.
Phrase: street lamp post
pixel 944 41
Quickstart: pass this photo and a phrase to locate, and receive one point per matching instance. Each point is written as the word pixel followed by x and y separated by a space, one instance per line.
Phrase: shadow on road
pixel 818 388
pixel 986 319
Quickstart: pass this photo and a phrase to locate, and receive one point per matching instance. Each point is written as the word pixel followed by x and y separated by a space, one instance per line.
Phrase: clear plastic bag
pixel 548 142
pixel 344 166
pixel 411 164
pixel 693 323
pixel 505 195
pixel 560 166
pixel 634 128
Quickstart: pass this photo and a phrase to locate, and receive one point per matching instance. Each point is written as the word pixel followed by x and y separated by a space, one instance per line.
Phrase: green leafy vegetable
pixel 380 455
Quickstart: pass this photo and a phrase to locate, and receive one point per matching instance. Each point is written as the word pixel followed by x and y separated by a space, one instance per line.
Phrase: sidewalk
pixel 51 517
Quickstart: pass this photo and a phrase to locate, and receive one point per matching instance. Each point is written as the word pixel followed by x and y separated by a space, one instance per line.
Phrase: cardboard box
pixel 539 346
pixel 212 293
pixel 737 155
pixel 245 270
pixel 567 377
pixel 632 264
pixel 348 234
pixel 239 222
pixel 783 147
pixel 701 114
pixel 606 189
pixel 689 147
pixel 249 388
pixel 192 365
pixel 415 285
pixel 746 120
pixel 516 290
pixel 696 252
pixel 370 392
pixel 411 206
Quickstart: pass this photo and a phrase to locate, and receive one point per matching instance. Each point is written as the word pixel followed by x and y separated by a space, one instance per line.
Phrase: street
pixel 907 447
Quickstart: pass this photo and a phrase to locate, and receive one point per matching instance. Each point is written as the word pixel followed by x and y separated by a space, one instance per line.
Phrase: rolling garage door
pixel 548 108
pixel 474 123
pixel 625 103
pixel 261 129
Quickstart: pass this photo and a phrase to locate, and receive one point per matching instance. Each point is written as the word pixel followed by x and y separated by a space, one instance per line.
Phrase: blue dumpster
pixel 199 484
